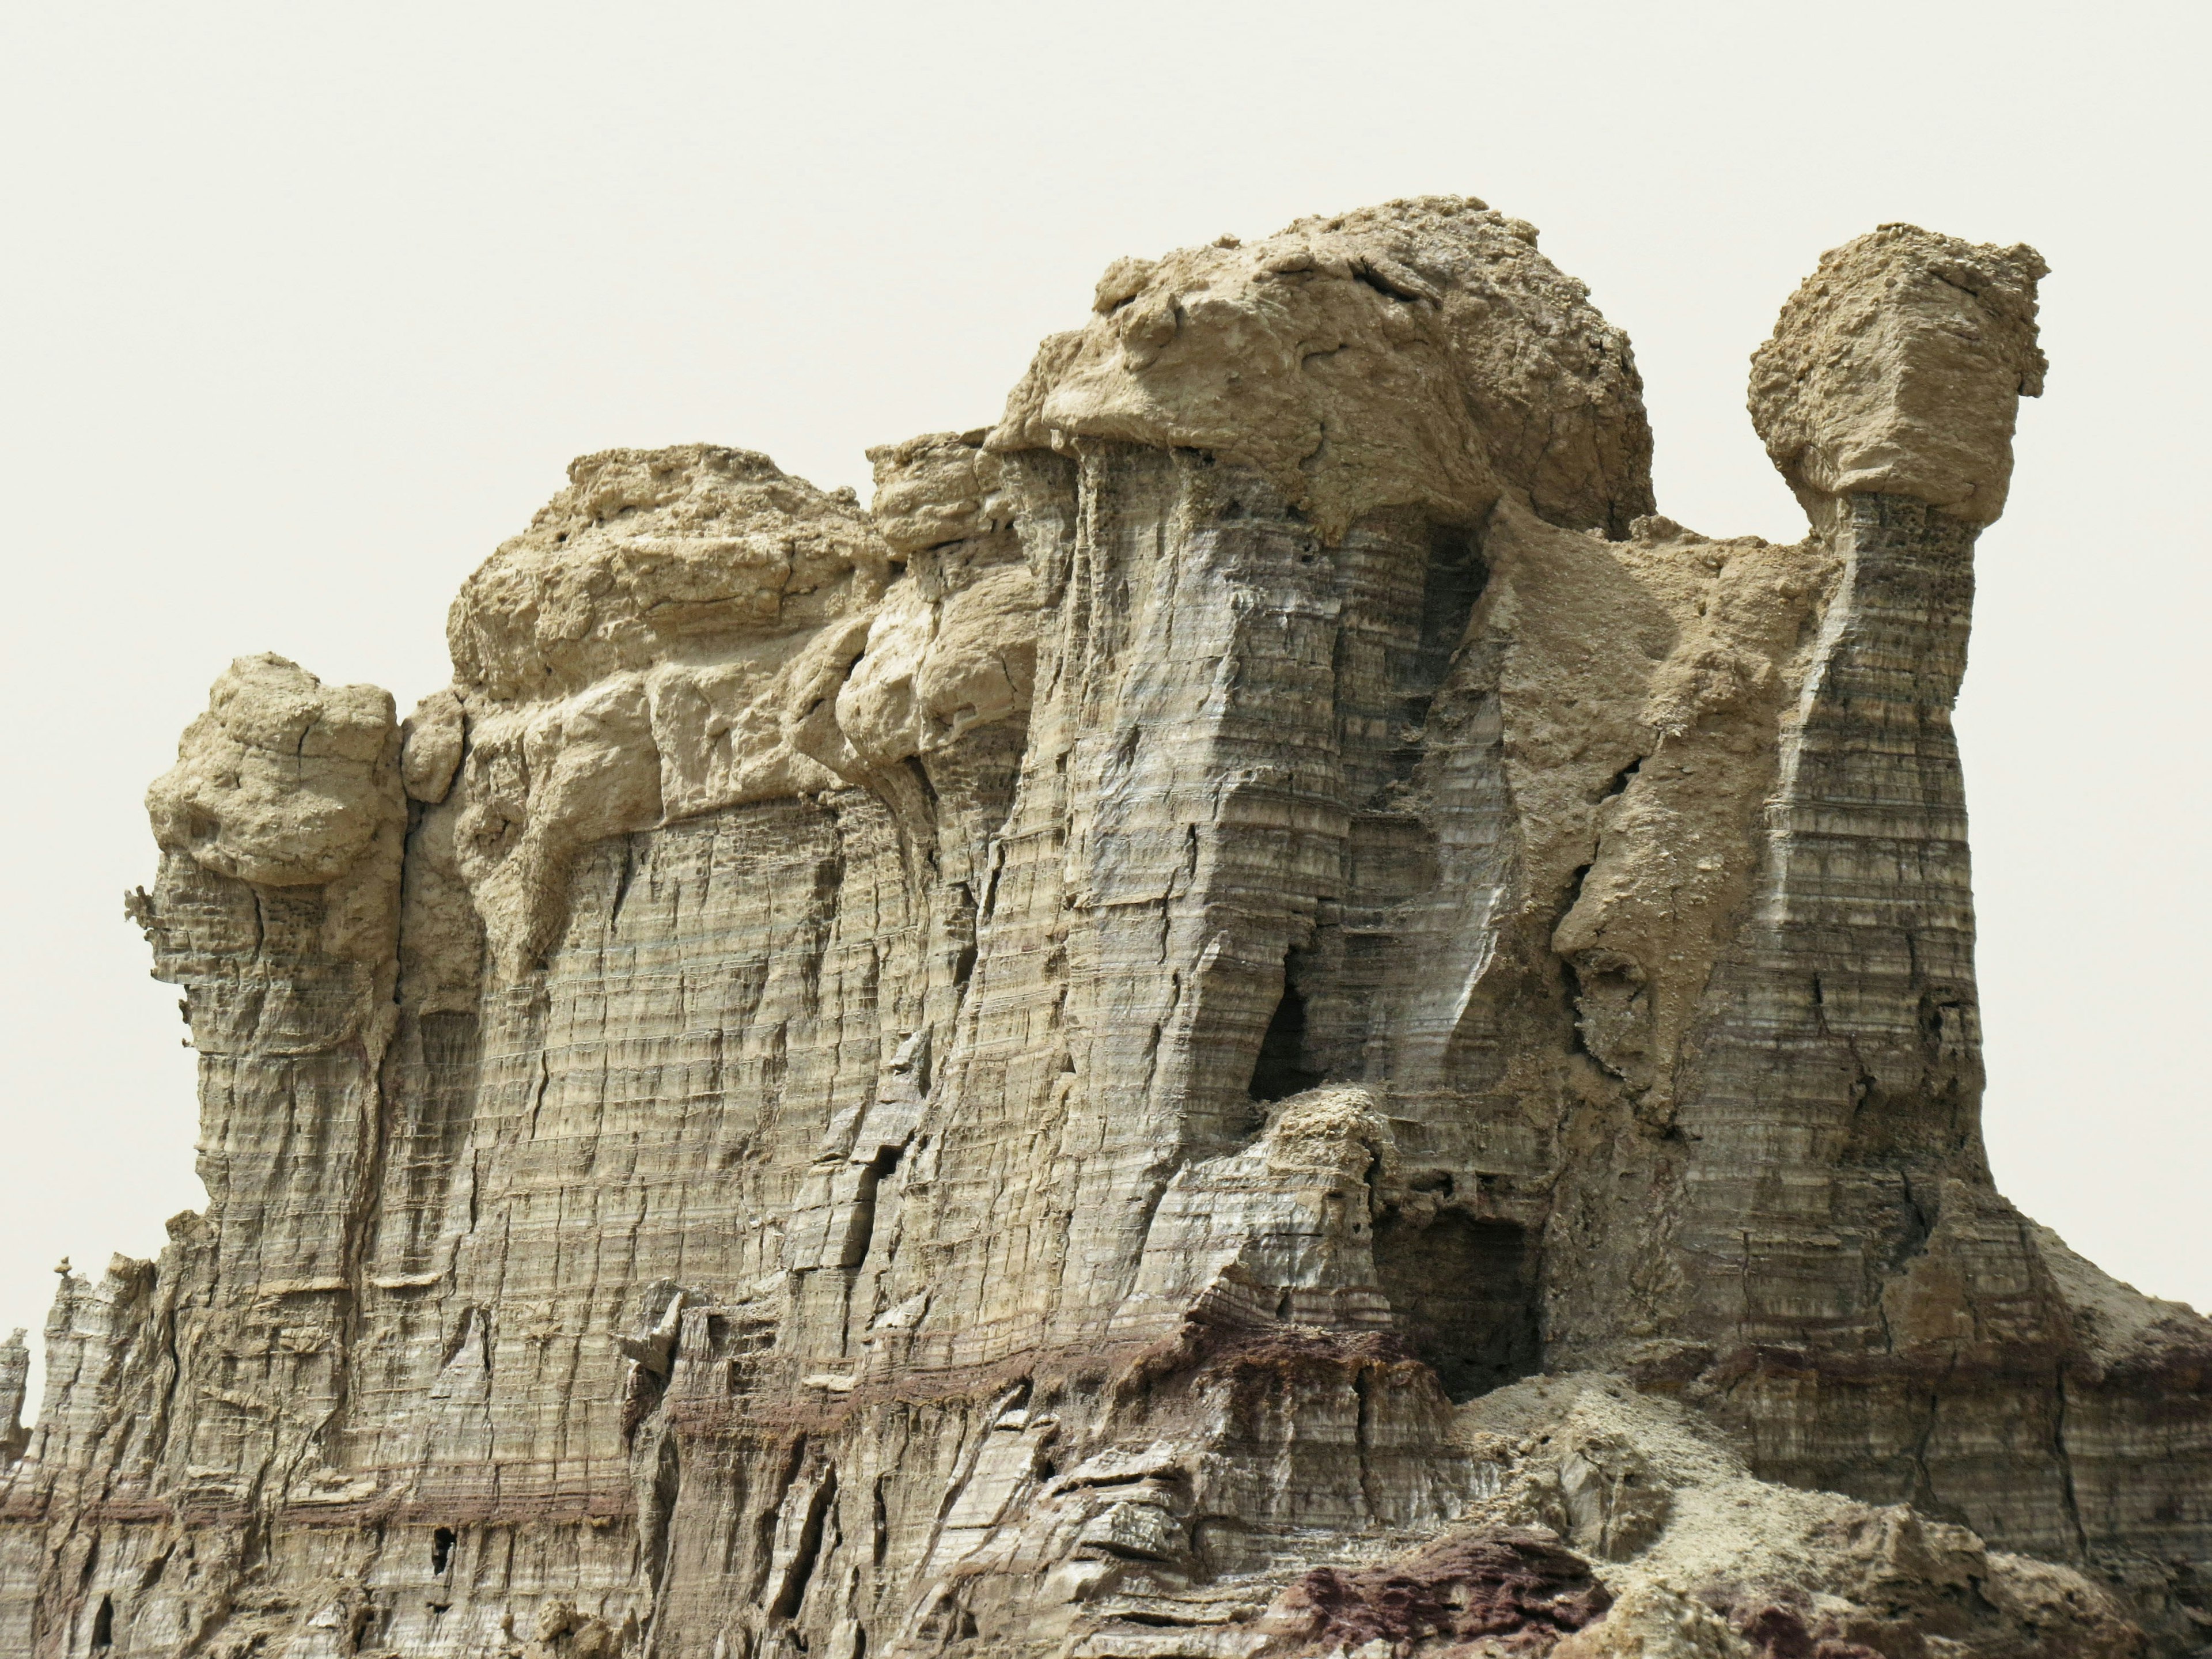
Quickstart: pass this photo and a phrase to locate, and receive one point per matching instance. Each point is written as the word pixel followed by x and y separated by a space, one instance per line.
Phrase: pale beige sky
pixel 306 308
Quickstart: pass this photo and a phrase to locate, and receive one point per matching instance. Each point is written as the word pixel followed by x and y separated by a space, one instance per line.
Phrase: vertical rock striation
pixel 1255 1017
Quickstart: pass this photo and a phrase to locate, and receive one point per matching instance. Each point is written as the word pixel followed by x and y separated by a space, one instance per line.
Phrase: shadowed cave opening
pixel 442 1552
pixel 1280 1070
pixel 1451 586
pixel 1453 582
pixel 1464 1291
pixel 103 1626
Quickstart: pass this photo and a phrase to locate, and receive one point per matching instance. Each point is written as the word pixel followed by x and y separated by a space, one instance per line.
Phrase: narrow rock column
pixel 276 911
pixel 1884 1323
pixel 1840 1066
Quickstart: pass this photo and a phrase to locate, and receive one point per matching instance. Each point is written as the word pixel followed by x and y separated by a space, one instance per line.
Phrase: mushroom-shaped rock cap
pixel 283 780
pixel 1421 353
pixel 1898 368
pixel 649 552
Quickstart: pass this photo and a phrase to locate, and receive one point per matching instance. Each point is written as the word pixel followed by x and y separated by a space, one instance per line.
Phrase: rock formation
pixel 1259 1016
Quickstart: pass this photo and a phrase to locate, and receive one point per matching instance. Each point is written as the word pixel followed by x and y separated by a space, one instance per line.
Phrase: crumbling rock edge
pixel 1258 1016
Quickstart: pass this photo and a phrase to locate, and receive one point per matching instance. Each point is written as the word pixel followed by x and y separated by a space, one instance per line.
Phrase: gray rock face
pixel 1261 1017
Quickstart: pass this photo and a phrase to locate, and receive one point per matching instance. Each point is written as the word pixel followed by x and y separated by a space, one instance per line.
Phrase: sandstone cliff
pixel 1257 1017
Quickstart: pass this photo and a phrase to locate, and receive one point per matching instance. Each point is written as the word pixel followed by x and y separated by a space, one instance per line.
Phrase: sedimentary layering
pixel 1258 1017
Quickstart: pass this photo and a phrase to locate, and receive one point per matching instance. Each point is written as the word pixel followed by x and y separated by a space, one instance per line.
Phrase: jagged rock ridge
pixel 1257 1017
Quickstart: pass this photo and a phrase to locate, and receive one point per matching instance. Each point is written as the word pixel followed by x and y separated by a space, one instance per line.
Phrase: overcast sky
pixel 306 308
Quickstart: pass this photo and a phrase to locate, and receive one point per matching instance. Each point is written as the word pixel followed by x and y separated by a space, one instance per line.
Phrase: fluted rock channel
pixel 1258 1017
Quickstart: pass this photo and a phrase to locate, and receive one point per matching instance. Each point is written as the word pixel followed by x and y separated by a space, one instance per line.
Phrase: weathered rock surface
pixel 1895 369
pixel 1259 1016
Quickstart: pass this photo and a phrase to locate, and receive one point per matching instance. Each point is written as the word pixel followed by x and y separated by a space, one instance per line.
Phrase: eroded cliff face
pixel 1256 1017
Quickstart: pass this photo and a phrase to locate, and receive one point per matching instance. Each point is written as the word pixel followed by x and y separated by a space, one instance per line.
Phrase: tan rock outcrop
pixel 1258 1017
pixel 1896 368
pixel 285 781
pixel 1422 354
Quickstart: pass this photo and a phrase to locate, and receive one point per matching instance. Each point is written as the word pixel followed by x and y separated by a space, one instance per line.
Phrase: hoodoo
pixel 1257 1017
